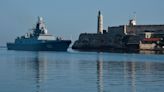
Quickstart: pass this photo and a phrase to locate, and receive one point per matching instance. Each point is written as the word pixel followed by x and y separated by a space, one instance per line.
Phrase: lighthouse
pixel 100 23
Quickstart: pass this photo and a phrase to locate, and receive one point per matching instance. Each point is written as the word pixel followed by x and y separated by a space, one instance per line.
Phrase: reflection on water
pixel 41 69
pixel 135 76
pixel 100 74
pixel 132 73
pixel 80 72
pixel 35 64
pixel 128 68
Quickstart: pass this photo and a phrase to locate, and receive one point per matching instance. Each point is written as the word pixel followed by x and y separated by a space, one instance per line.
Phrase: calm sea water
pixel 27 71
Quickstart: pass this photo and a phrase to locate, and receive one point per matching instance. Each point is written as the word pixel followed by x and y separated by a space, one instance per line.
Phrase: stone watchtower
pixel 100 23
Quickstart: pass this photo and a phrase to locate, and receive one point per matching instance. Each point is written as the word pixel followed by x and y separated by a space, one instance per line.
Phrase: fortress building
pixel 129 36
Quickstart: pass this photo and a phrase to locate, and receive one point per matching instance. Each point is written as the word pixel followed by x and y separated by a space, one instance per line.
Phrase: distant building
pixel 119 37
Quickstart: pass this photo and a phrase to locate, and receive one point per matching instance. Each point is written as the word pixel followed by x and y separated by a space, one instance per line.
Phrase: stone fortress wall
pixel 117 36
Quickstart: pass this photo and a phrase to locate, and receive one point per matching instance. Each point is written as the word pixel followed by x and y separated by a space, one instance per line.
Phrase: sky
pixel 69 18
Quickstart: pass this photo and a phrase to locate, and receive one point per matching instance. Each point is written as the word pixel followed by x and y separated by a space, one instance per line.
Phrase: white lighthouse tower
pixel 100 23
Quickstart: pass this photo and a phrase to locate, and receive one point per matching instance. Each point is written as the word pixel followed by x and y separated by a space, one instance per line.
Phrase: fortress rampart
pixel 119 37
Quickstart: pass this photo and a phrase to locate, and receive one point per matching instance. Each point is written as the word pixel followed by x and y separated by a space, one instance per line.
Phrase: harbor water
pixel 73 71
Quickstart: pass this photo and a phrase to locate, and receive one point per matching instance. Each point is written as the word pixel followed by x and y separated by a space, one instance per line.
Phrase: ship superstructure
pixel 39 40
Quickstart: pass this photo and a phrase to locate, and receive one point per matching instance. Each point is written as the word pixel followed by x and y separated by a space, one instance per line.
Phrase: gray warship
pixel 39 40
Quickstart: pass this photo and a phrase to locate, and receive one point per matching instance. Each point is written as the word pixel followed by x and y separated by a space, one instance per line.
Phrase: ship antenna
pixel 134 16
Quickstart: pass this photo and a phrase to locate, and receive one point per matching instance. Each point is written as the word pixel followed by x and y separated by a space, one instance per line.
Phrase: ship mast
pixel 40 27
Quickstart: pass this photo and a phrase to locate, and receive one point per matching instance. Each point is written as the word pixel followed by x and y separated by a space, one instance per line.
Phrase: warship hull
pixel 61 45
